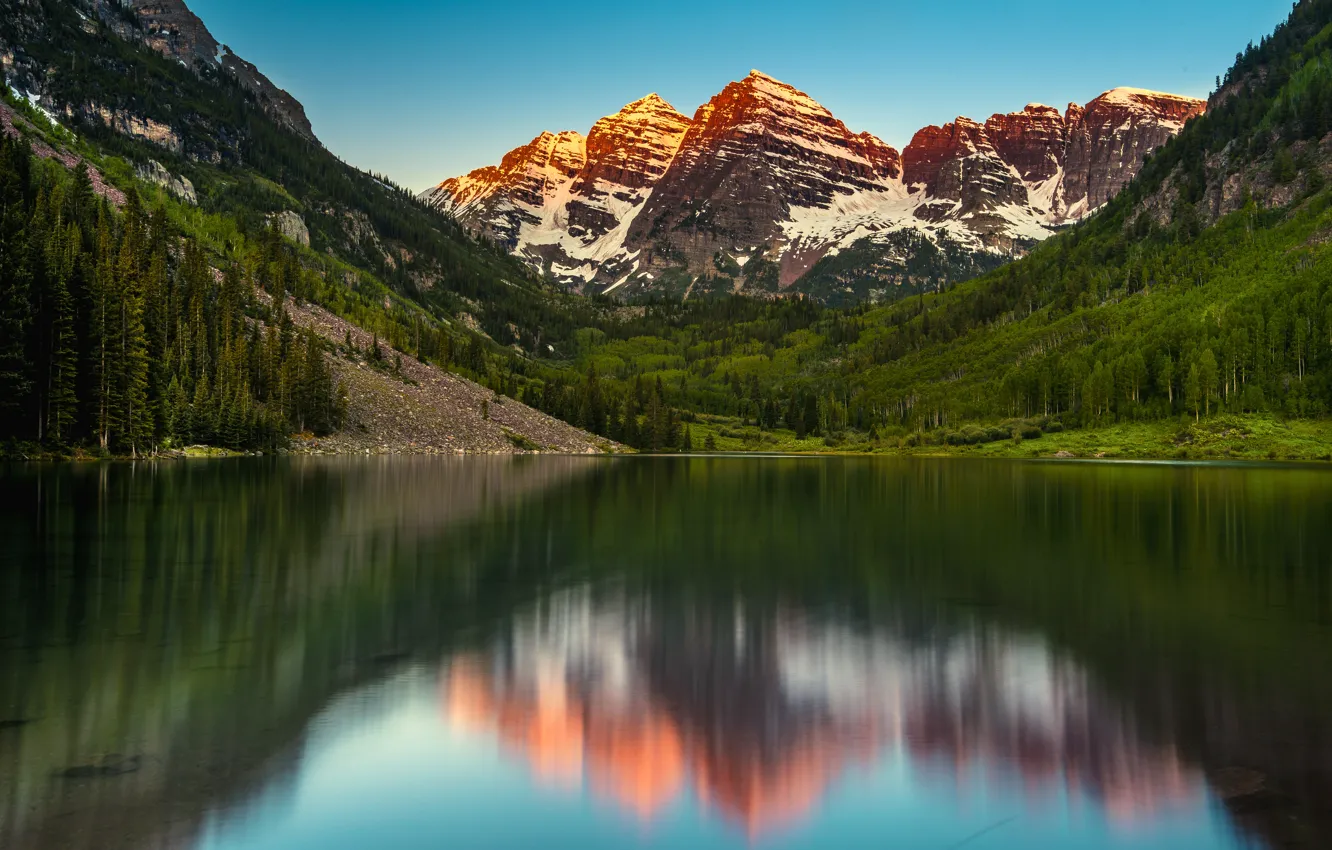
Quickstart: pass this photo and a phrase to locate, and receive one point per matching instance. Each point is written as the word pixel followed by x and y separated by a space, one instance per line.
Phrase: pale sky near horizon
pixel 422 91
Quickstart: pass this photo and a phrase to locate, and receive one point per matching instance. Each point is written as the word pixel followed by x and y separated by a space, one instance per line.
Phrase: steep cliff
pixel 170 28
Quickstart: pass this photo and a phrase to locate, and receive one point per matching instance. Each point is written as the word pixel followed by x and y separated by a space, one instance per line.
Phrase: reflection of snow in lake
pixel 761 712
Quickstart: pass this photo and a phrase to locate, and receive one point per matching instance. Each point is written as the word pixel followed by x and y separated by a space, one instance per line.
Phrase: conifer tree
pixel 130 383
pixel 15 280
pixel 62 400
pixel 103 353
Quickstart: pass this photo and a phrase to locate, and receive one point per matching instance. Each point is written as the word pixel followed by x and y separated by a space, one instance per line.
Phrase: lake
pixel 702 652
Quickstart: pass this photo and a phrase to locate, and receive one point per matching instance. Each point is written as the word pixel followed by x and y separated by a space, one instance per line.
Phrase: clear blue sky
pixel 424 90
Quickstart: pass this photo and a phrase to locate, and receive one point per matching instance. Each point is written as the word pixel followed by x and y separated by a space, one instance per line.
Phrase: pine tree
pixel 811 417
pixel 39 231
pixel 175 410
pixel 592 408
pixel 202 419
pixel 131 339
pixel 317 395
pixel 62 401
pixel 15 282
pixel 630 433
pixel 654 426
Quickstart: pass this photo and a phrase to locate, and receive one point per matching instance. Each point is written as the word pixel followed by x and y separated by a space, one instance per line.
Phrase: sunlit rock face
pixel 759 713
pixel 1108 140
pixel 756 150
pixel 506 198
pixel 764 172
pixel 564 202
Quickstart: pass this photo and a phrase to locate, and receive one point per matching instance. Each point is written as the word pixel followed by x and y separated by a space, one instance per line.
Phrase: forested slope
pixel 147 202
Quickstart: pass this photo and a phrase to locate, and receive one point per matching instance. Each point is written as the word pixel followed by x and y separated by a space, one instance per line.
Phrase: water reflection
pixel 720 652
pixel 759 712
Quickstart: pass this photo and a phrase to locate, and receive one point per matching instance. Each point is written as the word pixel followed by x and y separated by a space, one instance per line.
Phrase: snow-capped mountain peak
pixel 651 198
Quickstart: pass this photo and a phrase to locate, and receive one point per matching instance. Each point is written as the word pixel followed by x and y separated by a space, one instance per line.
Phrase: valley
pixel 725 472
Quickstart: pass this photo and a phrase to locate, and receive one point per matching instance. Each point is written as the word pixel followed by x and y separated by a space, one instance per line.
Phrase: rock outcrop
pixel 1031 141
pixel 291 225
pixel 154 172
pixel 764 183
pixel 134 126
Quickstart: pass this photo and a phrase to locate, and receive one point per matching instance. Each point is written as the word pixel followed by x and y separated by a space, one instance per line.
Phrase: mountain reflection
pixel 759 712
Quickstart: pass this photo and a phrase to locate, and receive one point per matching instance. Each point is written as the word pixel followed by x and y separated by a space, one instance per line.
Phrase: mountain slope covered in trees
pixel 143 202
pixel 108 339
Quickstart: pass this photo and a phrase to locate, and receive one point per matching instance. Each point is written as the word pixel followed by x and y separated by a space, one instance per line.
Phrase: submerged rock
pixel 109 765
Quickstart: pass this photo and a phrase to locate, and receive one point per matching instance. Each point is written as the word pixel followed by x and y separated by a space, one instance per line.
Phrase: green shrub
pixel 521 442
pixel 996 435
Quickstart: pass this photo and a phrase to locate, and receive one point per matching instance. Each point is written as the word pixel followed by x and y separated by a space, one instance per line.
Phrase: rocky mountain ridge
pixel 169 28
pixel 764 183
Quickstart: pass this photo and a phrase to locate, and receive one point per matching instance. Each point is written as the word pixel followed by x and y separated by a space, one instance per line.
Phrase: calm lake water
pixel 692 653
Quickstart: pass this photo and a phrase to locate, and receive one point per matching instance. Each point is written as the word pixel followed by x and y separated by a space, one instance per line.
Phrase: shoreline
pixel 212 453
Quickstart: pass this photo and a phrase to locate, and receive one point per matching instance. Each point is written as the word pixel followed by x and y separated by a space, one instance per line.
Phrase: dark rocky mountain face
pixel 170 28
pixel 764 185
pixel 167 27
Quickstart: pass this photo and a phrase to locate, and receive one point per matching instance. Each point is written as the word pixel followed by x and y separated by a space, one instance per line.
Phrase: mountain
pixel 146 82
pixel 763 190
pixel 170 28
pixel 230 222
pixel 567 199
pixel 1192 311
